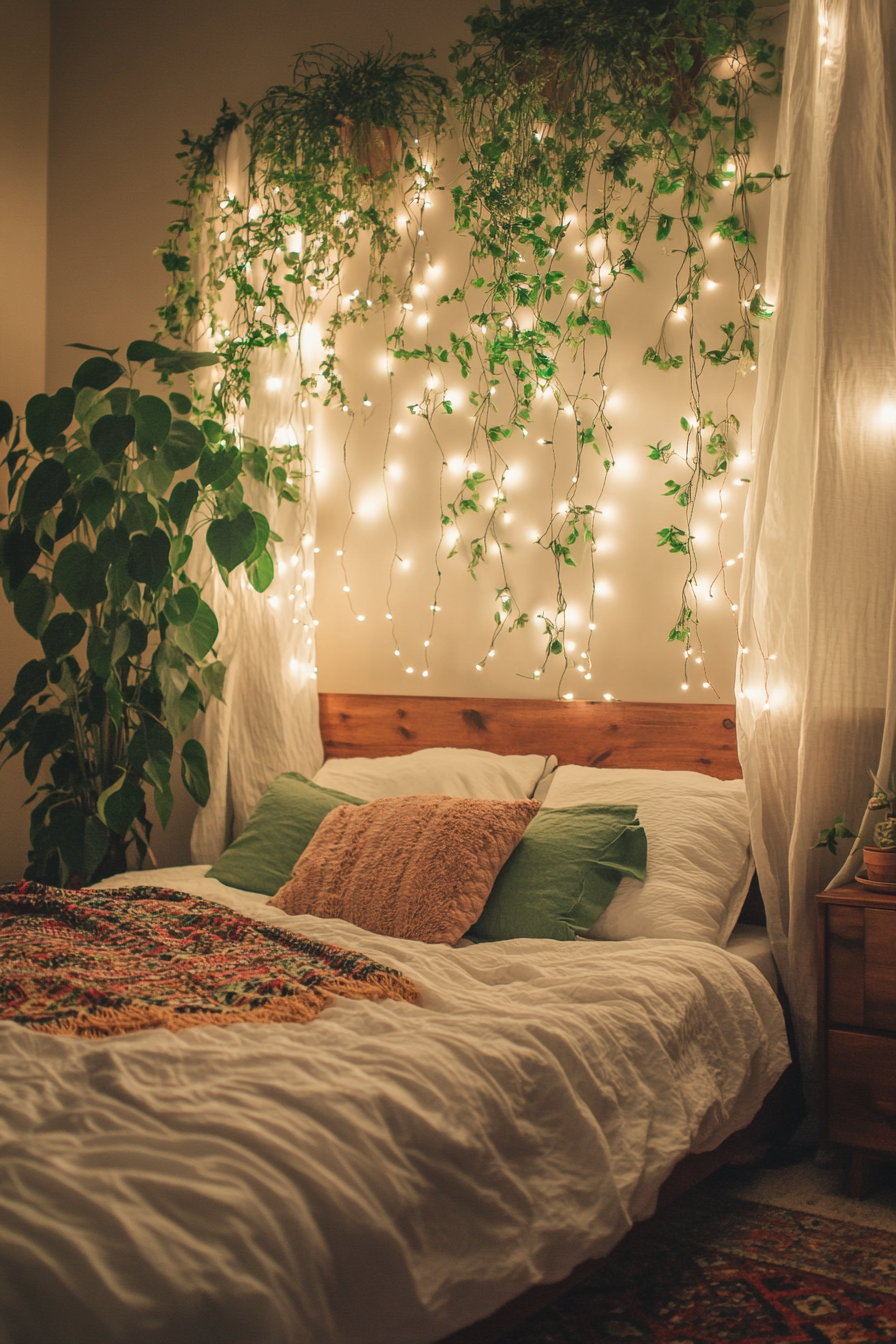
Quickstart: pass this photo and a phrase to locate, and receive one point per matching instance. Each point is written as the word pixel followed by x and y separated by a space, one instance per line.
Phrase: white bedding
pixel 383 1175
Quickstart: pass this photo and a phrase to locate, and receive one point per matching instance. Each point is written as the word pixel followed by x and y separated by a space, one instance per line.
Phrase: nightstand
pixel 857 1024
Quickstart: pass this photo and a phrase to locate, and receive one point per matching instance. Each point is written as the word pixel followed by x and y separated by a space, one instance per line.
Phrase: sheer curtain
pixel 816 677
pixel 269 719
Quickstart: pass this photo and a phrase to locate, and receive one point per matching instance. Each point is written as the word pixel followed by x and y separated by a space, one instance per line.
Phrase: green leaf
pixel 44 488
pixel 111 435
pixel 182 502
pixel 154 476
pixel 219 469
pixel 99 651
pixel 261 573
pixel 6 419
pixel 194 771
pixel 80 576
pixel 262 533
pixel 140 515
pixel 181 404
pixel 164 801
pixel 213 679
pixel 97 373
pixel 33 604
pixel 141 352
pixel 663 227
pixel 100 349
pixel 49 732
pixel 63 633
pixel 148 558
pixel 186 361
pixel 182 606
pixel 232 540
pixel 153 419
pixel 120 804
pixel 184 444
pixel 20 553
pixel 197 638
pixel 31 679
pixel 97 500
pixel 46 418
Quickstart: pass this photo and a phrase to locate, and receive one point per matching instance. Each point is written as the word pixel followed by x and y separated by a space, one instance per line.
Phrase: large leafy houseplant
pixel 108 487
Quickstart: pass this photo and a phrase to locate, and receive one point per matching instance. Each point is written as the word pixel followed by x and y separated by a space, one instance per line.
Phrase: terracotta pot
pixel 880 864
pixel 373 148
pixel 550 71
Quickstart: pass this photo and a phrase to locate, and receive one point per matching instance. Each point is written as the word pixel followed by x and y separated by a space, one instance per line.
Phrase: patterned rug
pixel 100 963
pixel 714 1270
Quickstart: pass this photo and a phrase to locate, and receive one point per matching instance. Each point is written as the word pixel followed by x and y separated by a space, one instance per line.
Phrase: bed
pixel 390 1173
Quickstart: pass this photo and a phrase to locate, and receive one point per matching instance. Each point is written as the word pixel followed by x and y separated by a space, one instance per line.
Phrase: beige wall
pixel 24 115
pixel 126 79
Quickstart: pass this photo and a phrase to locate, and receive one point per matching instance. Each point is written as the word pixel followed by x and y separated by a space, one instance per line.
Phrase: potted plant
pixel 880 858
pixel 108 486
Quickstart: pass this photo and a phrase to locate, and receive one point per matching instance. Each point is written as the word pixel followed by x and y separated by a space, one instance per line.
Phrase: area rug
pixel 102 963
pixel 714 1270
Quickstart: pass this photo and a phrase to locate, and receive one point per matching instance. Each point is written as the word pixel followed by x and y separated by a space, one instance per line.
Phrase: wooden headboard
pixel 651 736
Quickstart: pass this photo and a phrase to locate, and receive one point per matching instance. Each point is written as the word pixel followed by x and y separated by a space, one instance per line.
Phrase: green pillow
pixel 261 858
pixel 563 873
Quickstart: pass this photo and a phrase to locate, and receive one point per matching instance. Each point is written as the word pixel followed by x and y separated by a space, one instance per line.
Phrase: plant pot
pixel 373 148
pixel 880 864
pixel 550 71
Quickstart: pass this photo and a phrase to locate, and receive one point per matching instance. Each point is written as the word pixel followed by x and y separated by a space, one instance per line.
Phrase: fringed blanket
pixel 100 963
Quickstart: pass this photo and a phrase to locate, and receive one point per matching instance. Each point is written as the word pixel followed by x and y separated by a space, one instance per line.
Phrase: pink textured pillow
pixel 420 866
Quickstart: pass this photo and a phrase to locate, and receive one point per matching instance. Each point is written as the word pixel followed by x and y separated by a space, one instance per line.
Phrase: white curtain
pixel 269 719
pixel 816 678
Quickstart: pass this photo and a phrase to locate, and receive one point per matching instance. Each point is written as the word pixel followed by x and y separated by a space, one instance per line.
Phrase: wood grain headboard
pixel 651 736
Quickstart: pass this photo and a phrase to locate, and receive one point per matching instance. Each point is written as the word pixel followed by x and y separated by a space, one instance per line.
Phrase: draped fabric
pixel 268 721
pixel 816 674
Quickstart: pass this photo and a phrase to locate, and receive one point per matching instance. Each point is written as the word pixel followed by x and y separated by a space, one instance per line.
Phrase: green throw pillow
pixel 261 858
pixel 563 873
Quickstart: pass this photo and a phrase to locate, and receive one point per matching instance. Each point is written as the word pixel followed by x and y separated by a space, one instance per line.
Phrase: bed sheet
pixel 383 1175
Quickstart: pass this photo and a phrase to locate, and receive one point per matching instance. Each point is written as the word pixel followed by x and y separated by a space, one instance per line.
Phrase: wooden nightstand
pixel 857 1024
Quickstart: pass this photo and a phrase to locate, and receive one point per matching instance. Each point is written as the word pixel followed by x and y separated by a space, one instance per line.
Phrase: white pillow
pixel 457 771
pixel 699 864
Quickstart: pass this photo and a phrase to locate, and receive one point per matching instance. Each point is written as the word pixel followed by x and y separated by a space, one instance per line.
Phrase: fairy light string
pixel 506 362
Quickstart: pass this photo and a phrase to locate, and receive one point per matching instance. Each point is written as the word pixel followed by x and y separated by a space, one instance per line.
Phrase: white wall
pixel 126 79
pixel 24 120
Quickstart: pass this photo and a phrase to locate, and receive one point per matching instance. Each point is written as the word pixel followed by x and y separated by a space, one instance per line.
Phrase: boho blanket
pixel 101 963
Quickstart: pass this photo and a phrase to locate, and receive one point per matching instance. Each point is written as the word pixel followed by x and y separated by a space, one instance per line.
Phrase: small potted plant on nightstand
pixel 880 858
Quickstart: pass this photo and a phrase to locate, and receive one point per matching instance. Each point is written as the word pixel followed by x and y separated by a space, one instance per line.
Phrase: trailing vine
pixel 589 134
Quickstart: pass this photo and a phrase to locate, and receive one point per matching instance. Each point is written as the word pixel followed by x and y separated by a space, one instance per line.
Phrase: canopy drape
pixel 816 676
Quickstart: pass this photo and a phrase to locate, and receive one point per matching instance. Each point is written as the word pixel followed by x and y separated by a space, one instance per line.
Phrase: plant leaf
pixel 33 603
pixel 46 418
pixel 232 540
pixel 80 576
pixel 194 771
pixel 98 373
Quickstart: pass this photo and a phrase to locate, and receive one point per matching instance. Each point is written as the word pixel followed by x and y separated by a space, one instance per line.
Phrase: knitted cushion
pixel 419 867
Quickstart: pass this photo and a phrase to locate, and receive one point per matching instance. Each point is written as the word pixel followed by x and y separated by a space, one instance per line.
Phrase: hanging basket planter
pixel 373 149
pixel 549 71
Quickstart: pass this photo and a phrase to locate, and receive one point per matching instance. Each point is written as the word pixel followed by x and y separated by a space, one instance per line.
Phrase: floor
pixel 822 1189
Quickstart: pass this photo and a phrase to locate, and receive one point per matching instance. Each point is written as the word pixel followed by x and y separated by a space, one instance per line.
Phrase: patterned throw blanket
pixel 100 963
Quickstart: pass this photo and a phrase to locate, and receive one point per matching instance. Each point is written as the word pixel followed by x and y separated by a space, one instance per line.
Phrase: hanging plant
pixel 108 488
pixel 587 128
pixel 256 260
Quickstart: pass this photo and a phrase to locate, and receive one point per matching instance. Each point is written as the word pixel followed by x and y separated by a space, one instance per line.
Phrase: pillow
pixel 563 873
pixel 262 856
pixel 699 864
pixel 456 772
pixel 416 867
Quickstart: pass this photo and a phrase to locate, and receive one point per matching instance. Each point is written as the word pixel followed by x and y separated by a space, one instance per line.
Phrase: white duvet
pixel 383 1175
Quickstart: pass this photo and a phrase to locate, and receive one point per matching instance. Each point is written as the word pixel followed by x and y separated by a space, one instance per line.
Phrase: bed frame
pixel 615 734
pixel 577 732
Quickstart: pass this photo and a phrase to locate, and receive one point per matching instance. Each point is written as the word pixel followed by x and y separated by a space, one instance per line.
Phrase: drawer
pixel 861 967
pixel 861 1090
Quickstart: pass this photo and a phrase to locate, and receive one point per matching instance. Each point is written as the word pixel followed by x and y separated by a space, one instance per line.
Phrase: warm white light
pixel 608 696
pixel 602 588
pixel 274 384
pixel 361 618
pixel 569 696
pixel 274 602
